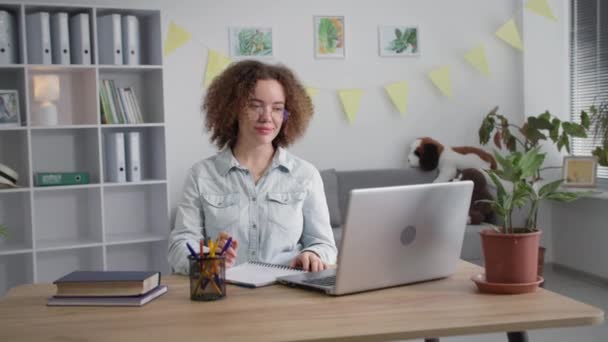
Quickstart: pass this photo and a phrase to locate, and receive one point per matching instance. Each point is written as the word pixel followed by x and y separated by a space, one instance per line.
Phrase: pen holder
pixel 207 278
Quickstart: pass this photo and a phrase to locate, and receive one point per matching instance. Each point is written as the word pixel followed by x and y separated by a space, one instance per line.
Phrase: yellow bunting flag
pixel 509 33
pixel 441 79
pixel 216 63
pixel 351 98
pixel 477 58
pixel 312 92
pixel 176 37
pixel 541 7
pixel 398 94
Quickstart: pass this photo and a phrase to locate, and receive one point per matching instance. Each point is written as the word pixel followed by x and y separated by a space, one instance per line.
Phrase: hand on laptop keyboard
pixel 308 261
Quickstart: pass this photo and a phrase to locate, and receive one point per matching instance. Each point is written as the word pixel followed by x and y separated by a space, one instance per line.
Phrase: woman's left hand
pixel 308 261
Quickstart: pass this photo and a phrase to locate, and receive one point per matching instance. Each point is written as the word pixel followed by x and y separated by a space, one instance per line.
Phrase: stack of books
pixel 118 105
pixel 107 288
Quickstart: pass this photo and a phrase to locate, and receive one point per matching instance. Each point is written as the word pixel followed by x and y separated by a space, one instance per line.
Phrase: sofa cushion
pixel 330 184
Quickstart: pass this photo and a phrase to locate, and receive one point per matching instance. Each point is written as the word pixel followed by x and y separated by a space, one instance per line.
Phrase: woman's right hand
pixel 230 253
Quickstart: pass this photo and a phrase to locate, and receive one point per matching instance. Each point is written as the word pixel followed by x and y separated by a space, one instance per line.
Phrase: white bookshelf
pixel 102 225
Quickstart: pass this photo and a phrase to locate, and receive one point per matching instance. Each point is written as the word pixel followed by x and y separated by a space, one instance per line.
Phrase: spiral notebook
pixel 258 274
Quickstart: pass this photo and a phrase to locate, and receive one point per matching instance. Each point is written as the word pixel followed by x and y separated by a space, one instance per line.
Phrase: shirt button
pixel 254 198
pixel 254 226
pixel 252 253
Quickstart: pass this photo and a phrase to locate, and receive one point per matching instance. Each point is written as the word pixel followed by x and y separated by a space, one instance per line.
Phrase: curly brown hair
pixel 228 94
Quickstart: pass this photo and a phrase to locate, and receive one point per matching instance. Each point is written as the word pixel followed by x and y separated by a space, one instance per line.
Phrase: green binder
pixel 61 178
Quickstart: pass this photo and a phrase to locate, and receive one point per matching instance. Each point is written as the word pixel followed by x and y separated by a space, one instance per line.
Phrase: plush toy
pixel 478 211
pixel 429 154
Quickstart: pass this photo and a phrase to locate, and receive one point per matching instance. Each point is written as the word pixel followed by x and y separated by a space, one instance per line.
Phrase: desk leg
pixel 517 336
pixel 431 339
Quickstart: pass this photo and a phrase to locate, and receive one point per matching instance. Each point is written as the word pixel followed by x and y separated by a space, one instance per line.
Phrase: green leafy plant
pixel 521 167
pixel 599 122
pixel 3 231
pixel 403 40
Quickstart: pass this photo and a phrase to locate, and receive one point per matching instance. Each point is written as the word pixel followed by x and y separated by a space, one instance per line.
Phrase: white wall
pixel 379 137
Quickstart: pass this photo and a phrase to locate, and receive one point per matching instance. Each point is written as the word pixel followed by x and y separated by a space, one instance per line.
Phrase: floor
pixel 584 290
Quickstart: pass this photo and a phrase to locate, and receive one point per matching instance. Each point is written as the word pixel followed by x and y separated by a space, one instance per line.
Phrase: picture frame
pixel 398 41
pixel 251 41
pixel 330 36
pixel 10 115
pixel 579 171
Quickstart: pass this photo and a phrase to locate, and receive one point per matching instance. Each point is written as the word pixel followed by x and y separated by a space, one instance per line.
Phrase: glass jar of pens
pixel 207 277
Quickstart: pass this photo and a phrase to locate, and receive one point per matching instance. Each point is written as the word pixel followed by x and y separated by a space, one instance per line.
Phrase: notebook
pixel 109 300
pixel 258 274
pixel 106 283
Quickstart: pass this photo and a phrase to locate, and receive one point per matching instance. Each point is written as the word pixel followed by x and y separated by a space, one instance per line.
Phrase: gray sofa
pixel 339 183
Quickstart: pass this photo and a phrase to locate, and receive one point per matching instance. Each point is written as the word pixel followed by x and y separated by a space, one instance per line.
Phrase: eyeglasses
pixel 257 108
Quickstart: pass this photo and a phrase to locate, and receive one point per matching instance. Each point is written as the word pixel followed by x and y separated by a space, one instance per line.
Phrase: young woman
pixel 270 202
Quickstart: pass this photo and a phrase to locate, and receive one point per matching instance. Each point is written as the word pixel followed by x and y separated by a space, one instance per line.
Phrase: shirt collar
pixel 226 161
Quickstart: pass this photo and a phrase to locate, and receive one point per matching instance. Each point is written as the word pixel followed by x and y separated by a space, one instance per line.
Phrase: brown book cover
pixel 106 283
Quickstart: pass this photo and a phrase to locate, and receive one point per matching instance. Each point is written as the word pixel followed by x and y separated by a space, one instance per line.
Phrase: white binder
pixel 115 157
pixel 80 38
pixel 133 157
pixel 109 34
pixel 8 38
pixel 130 40
pixel 39 38
pixel 60 38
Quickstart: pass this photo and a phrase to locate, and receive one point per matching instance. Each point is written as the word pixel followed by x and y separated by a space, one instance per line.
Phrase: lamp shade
pixel 46 88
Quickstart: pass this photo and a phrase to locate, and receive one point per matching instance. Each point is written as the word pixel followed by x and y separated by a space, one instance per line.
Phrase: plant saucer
pixel 504 288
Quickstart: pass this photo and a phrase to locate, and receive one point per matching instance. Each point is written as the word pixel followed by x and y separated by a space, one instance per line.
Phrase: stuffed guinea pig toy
pixel 428 154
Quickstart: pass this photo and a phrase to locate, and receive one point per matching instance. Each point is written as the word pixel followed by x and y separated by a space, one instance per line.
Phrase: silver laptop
pixel 394 236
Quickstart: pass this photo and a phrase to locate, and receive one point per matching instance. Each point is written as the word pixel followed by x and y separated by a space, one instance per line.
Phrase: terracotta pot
pixel 510 258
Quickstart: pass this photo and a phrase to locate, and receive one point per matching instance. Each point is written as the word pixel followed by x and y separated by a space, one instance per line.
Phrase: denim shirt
pixel 273 221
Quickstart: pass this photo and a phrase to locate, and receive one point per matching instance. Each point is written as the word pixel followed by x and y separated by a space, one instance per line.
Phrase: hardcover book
pixel 106 283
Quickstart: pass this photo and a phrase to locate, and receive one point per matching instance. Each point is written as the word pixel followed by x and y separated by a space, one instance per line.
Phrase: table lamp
pixel 46 90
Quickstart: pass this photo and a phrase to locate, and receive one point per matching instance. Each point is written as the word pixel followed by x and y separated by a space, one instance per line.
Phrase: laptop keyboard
pixel 325 281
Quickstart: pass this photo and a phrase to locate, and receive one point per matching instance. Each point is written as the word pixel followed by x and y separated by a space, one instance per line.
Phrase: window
pixel 588 65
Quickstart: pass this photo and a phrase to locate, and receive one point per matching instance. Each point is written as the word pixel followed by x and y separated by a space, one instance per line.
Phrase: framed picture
pixel 329 37
pixel 9 108
pixel 251 42
pixel 398 41
pixel 579 171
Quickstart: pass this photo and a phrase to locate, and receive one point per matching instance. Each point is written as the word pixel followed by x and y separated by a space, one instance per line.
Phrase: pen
pixel 226 246
pixel 192 252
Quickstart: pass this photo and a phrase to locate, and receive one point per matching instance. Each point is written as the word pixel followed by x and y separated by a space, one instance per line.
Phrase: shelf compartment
pixel 71 11
pixel 15 214
pixel 145 256
pixel 13 153
pixel 15 270
pixel 67 218
pixel 135 212
pixel 149 37
pixel 148 87
pixel 15 11
pixel 14 79
pixel 67 150
pixel 54 264
pixel 152 154
pixel 77 103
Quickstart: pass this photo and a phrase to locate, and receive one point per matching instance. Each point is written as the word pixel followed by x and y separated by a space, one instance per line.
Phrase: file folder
pixel 130 40
pixel 80 38
pixel 60 38
pixel 39 38
pixel 8 38
pixel 133 156
pixel 109 35
pixel 115 157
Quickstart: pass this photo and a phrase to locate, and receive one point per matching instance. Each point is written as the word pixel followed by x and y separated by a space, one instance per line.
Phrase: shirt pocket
pixel 285 212
pixel 221 211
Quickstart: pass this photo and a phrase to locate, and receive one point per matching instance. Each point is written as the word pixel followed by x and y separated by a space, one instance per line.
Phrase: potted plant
pixel 511 252
pixel 599 122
